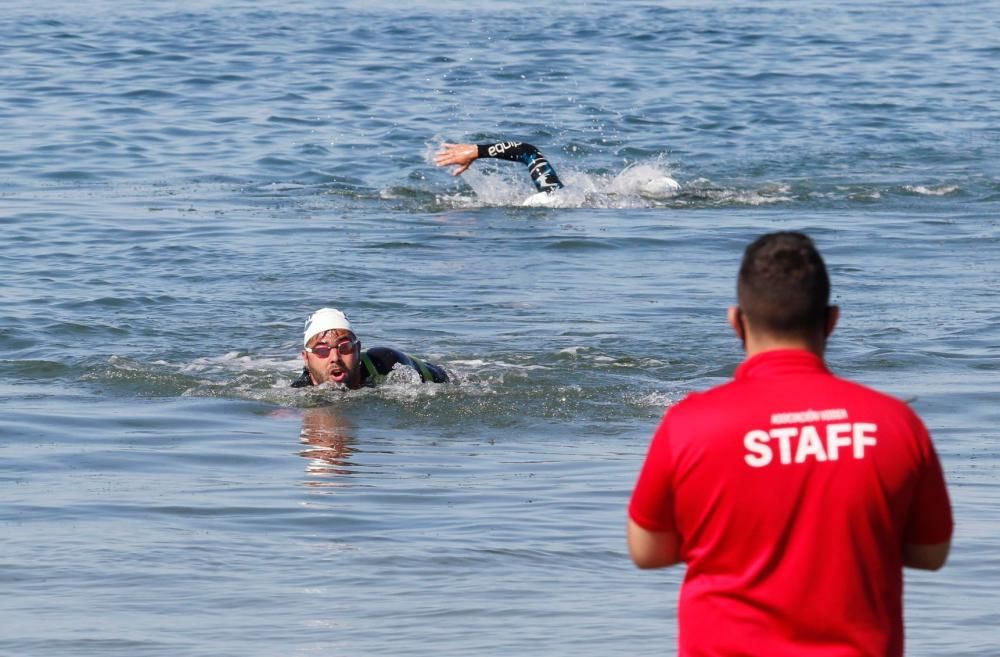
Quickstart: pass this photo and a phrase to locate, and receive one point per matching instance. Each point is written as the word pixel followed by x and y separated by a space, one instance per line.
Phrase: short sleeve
pixel 930 519
pixel 652 503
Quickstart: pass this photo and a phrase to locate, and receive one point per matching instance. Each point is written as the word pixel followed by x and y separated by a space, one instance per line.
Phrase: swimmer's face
pixel 334 357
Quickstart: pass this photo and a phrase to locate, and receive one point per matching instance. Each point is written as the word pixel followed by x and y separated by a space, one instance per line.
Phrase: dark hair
pixel 783 287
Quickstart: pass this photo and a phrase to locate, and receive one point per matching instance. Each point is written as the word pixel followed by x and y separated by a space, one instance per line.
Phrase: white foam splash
pixel 940 190
pixel 494 183
pixel 545 200
pixel 469 363
pixel 649 184
pixel 234 362
pixel 645 180
pixel 657 399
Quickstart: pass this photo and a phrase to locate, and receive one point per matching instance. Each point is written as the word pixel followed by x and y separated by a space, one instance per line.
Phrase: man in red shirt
pixel 794 497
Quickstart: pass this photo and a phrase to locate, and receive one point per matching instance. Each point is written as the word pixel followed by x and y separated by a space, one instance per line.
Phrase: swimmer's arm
pixel 926 557
pixel 543 176
pixel 928 532
pixel 465 154
pixel 513 151
pixel 650 549
pixel 462 155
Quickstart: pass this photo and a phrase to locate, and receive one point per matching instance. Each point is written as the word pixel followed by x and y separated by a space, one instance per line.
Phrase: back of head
pixel 783 287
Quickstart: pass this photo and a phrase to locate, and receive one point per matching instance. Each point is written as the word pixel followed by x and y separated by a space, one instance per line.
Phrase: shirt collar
pixel 778 362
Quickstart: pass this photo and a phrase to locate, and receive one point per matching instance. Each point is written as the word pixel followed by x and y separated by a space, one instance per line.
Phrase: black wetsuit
pixel 542 173
pixel 377 362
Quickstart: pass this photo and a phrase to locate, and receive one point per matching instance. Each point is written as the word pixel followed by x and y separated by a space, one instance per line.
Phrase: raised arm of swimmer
pixel 463 155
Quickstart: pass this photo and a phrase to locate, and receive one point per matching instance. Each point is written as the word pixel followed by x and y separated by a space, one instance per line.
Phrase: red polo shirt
pixel 793 492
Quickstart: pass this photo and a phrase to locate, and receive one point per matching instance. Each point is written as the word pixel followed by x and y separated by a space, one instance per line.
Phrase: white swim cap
pixel 323 320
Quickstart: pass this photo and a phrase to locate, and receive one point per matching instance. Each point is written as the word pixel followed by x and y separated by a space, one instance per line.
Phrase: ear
pixel 305 357
pixel 832 315
pixel 735 317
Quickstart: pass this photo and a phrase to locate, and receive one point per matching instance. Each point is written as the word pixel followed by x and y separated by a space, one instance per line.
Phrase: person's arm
pixel 927 537
pixel 463 155
pixel 651 531
pixel 650 549
pixel 926 557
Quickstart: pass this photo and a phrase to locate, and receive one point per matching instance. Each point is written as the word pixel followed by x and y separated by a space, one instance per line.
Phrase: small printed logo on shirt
pixel 809 436
pixel 502 147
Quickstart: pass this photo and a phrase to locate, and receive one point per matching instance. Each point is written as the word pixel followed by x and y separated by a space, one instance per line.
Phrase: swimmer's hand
pixel 461 154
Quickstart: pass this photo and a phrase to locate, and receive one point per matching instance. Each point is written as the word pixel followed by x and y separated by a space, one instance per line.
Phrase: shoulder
pixel 687 418
pixel 382 353
pixel 304 379
pixel 384 358
pixel 863 395
pixel 888 411
pixel 741 402
pixel 709 400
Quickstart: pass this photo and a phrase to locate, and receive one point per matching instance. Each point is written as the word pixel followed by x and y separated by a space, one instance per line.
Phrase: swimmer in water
pixel 332 354
pixel 641 181
pixel 542 174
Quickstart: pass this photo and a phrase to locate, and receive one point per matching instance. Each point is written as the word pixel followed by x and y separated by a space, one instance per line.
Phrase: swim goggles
pixel 344 348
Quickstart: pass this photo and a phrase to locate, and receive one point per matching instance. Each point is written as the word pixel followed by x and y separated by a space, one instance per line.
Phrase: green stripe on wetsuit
pixel 374 376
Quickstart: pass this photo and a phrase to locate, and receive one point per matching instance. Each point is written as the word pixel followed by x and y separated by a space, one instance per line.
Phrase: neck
pixel 757 341
pixel 758 344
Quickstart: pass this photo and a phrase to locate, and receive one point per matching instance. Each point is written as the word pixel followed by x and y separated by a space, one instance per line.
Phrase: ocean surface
pixel 183 183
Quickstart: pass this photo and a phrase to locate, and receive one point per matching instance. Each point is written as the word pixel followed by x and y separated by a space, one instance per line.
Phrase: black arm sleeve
pixel 542 173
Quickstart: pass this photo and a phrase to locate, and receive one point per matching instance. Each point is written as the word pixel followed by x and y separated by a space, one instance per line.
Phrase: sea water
pixel 183 183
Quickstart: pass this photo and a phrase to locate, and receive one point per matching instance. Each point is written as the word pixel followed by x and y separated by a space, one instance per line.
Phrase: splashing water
pixel 637 185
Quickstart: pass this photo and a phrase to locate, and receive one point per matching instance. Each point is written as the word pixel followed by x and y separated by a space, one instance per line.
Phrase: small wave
pixel 139 378
pixel 586 354
pixel 402 385
pixel 148 94
pixel 940 190
pixel 297 120
pixel 71 175
pixel 405 193
pixel 653 399
pixel 580 245
pixel 704 192
pixel 233 361
pixel 481 390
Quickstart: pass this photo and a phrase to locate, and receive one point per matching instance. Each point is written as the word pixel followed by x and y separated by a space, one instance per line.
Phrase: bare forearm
pixel 926 557
pixel 650 549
